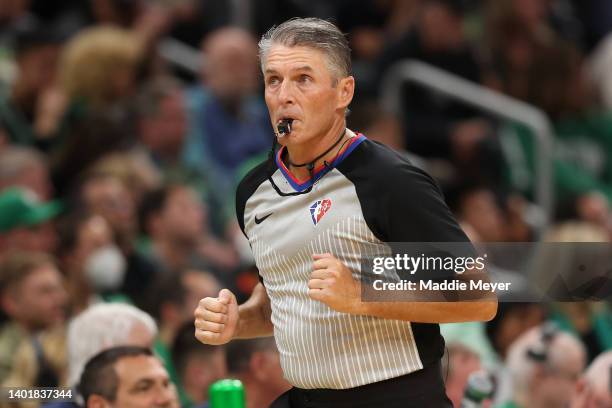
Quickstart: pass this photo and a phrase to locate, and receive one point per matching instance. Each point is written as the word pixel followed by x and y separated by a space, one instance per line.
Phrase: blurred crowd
pixel 119 162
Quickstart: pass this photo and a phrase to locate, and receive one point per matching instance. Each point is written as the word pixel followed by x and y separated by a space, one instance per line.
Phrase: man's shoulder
pixel 247 186
pixel 253 179
pixel 382 167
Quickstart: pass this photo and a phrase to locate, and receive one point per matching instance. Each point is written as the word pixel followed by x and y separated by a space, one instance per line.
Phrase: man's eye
pixel 142 388
pixel 273 81
pixel 305 78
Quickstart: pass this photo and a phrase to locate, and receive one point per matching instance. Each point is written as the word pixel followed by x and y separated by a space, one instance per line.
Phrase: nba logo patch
pixel 318 210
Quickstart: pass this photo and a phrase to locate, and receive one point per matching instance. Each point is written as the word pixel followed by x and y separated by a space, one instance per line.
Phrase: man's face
pixel 143 383
pixel 183 216
pixel 164 132
pixel 111 199
pixel 300 86
pixel 39 300
pixel 37 67
pixel 93 234
pixel 38 238
pixel 230 69
pixel 202 370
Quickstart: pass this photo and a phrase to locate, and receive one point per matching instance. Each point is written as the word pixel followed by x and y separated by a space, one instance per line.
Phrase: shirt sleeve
pixel 414 209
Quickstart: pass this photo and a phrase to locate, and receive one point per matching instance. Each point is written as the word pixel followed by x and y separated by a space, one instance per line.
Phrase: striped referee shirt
pixel 366 197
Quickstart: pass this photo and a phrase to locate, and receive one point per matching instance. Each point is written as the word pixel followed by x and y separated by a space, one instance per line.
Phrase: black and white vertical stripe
pixel 319 347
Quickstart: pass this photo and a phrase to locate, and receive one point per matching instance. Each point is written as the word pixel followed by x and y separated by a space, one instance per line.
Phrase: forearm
pixel 255 316
pixel 432 312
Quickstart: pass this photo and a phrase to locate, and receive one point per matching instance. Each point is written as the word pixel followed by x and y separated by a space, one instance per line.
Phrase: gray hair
pixel 100 327
pixel 314 33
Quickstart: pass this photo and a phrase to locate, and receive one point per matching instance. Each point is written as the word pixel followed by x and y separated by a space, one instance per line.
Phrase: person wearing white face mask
pixel 94 263
pixel 105 268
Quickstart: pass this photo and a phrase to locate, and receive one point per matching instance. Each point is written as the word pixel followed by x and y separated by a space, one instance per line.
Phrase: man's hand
pixel 216 319
pixel 332 283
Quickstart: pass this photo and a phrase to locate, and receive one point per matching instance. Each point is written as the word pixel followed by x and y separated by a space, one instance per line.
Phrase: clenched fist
pixel 332 283
pixel 216 319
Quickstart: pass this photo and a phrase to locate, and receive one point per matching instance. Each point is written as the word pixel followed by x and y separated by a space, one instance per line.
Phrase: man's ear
pixel 346 90
pixel 97 401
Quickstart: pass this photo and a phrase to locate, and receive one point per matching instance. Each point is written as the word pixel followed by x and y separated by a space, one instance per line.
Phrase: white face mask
pixel 105 268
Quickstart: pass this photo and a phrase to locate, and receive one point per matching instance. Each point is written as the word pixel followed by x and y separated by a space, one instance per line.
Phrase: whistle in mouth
pixel 284 127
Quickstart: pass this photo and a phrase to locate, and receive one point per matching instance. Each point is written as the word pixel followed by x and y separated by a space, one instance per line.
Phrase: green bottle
pixel 226 394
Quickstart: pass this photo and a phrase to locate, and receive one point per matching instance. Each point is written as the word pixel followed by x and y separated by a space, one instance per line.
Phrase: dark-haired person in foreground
pixel 126 377
pixel 256 363
pixel 326 197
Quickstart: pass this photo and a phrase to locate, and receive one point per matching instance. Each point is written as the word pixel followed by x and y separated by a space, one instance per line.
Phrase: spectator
pixel 436 127
pixel 172 300
pixel 228 121
pixel 478 207
pixel 256 363
pixel 545 367
pixel 512 321
pixel 162 126
pixel 126 377
pixel 108 196
pixel 593 389
pixel 94 264
pixel 462 361
pixel 104 326
pixel 175 220
pixel 26 223
pixel 32 113
pixel 33 298
pixel 197 366
pixel 98 75
pixel 27 168
pixel 370 24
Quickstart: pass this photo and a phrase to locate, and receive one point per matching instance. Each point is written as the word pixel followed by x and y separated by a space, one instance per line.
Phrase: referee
pixel 325 197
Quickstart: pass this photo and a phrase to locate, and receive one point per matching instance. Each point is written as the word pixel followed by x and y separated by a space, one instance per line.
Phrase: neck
pixel 305 153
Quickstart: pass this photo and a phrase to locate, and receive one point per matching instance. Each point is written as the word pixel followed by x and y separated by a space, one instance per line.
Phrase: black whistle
pixel 284 127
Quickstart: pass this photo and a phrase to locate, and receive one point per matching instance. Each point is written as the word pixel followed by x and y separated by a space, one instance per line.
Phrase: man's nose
pixel 286 92
pixel 166 398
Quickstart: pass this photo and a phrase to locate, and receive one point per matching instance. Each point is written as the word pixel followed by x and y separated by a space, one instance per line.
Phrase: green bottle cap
pixel 226 394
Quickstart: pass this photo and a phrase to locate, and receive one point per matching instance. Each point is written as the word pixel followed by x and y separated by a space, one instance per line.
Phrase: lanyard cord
pixel 310 166
pixel 313 161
